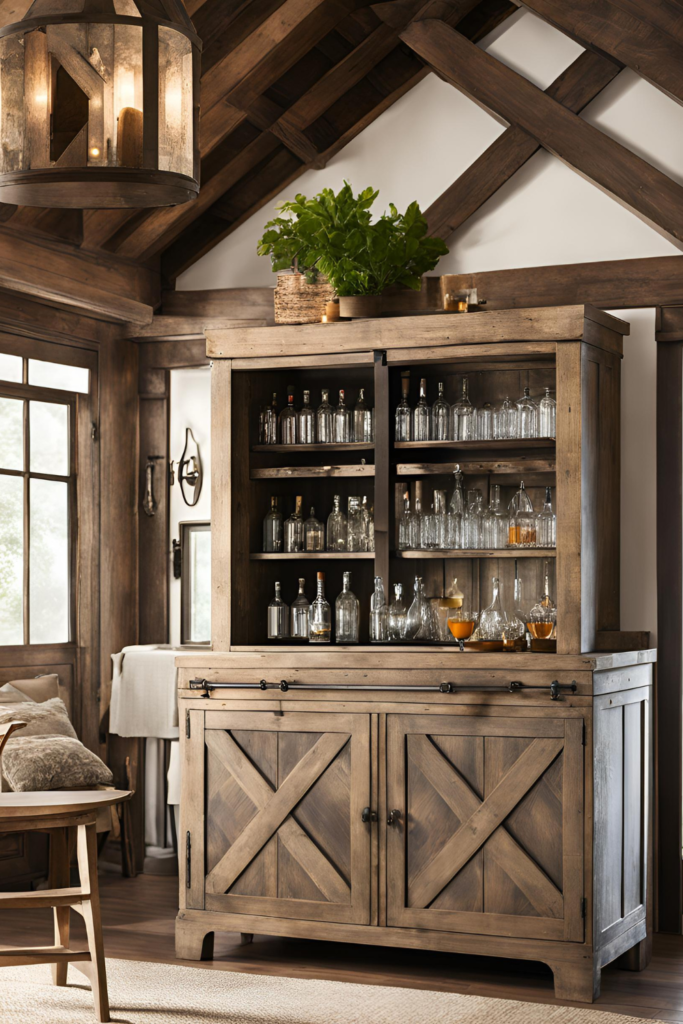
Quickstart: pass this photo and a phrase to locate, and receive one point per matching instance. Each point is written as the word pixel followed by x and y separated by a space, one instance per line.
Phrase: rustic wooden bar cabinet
pixel 407 795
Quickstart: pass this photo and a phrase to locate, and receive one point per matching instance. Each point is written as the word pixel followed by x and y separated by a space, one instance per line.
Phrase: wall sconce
pixel 149 502
pixel 190 472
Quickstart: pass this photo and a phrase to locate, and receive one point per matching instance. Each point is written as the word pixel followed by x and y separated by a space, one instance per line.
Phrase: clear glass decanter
pixel 337 527
pixel 378 612
pixel 418 525
pixel 324 419
pixel 475 518
pixel 543 616
pixel 448 605
pixel 493 620
pixel 320 615
pixel 288 419
pixel 546 524
pixel 362 419
pixel 404 414
pixel 456 514
pixel 356 539
pixel 522 523
pixel 396 616
pixel 343 425
pixel 278 616
pixel 267 431
pixel 505 420
pixel 306 421
pixel 462 415
pixel 422 415
pixel 273 528
pixel 547 415
pixel 527 416
pixel 441 411
pixel 517 627
pixel 346 613
pixel 419 618
pixel 299 613
pixel 314 533
pixel 440 520
pixel 294 528
pixel 485 418
pixel 405 526
pixel 495 522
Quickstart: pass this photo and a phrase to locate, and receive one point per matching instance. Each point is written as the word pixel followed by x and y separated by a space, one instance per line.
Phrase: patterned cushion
pixel 47 719
pixel 31 763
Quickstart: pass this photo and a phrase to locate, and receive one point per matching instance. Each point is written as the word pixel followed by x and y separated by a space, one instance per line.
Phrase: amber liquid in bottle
pixel 461 630
pixel 540 630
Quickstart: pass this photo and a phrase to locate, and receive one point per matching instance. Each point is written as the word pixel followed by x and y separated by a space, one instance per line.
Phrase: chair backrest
pixel 6 731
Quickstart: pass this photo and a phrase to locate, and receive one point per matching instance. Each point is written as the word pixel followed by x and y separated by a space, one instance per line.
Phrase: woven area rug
pixel 148 993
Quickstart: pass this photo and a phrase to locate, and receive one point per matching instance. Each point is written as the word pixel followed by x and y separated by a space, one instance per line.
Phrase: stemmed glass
pixel 461 622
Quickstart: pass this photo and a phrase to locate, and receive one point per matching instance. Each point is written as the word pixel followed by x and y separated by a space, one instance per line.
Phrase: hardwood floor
pixel 138 916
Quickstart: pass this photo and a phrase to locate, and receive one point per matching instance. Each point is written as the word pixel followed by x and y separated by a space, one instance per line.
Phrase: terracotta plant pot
pixel 360 306
pixel 298 302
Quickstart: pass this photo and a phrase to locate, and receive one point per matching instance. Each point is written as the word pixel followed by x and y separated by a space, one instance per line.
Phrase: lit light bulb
pixel 40 97
pixel 94 151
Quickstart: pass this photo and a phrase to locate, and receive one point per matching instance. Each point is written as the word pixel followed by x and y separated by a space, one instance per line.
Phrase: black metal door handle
pixel 394 817
pixel 367 815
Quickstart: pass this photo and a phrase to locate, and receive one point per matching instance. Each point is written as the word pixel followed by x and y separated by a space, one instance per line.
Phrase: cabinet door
pixel 284 798
pixel 489 835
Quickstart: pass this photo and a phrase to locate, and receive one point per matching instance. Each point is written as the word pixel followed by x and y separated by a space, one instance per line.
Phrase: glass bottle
pixel 324 419
pixel 267 429
pixel 462 415
pixel 346 613
pixel 336 527
pixel 456 514
pixel 522 523
pixel 547 415
pixel 418 618
pixel 440 417
pixel 520 607
pixel 485 422
pixel 493 620
pixel 368 512
pixel 543 616
pixel 299 613
pixel 448 606
pixel 440 520
pixel 527 416
pixel 475 518
pixel 320 616
pixel 288 419
pixel 294 528
pixel 314 533
pixel 422 415
pixel 343 427
pixel 278 616
pixel 546 524
pixel 419 523
pixel 378 613
pixel 355 537
pixel 362 419
pixel 396 616
pixel 404 415
pixel 306 421
pixel 404 526
pixel 505 420
pixel 273 528
pixel 494 522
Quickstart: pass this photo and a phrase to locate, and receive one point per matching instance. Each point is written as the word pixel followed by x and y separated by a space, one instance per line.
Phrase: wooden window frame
pixel 184 529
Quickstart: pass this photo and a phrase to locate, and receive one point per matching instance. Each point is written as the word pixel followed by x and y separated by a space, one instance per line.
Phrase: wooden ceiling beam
pixel 232 303
pixel 627 177
pixel 578 84
pixel 645 36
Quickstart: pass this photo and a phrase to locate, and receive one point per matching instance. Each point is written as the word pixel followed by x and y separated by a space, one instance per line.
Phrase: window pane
pixel 200 585
pixel 49 562
pixel 11 433
pixel 10 368
pixel 59 376
pixel 11 560
pixel 49 438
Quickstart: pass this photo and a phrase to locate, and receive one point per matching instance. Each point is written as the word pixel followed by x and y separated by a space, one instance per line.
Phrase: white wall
pixel 190 407
pixel 546 214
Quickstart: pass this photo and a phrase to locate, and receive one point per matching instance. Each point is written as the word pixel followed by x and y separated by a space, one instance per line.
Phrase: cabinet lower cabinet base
pixel 576 968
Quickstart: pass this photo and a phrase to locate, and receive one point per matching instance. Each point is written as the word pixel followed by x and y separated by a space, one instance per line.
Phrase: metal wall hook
pixel 190 471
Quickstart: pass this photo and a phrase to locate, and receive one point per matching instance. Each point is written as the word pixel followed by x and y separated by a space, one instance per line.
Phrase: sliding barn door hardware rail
pixel 557 689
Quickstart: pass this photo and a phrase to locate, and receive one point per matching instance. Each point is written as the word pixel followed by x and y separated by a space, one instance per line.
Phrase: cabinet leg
pixel 576 981
pixel 193 941
pixel 637 957
pixel 246 938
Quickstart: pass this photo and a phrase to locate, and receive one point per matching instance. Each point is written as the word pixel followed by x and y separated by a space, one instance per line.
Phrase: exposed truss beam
pixel 578 84
pixel 643 188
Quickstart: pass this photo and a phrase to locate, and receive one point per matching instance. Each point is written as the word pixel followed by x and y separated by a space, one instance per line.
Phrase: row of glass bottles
pixel 463 422
pixel 313 622
pixel 350 531
pixel 325 425
pixel 467 524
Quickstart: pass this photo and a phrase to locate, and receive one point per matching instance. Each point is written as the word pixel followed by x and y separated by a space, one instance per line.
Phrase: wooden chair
pixel 64 814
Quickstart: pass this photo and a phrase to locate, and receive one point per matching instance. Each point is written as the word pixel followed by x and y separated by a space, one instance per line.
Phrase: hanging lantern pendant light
pixel 99 105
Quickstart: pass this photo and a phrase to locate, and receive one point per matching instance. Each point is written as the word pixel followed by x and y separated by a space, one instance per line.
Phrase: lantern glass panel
pixel 175 102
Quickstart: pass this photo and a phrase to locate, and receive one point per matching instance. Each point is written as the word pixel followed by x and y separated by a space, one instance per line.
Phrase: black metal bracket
pixel 556 689
pixel 367 815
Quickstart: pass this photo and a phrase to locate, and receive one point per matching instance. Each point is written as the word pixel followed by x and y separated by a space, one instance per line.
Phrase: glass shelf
pixel 493 445
pixel 310 555
pixel 347 446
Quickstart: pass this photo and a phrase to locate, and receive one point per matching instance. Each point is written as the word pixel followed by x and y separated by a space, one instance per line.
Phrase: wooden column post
pixel 669 690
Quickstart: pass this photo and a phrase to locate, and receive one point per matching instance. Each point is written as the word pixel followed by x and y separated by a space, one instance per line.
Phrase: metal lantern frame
pixel 113 186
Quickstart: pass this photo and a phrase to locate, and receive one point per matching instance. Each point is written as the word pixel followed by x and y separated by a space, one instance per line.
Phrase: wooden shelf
pixel 310 555
pixel 523 464
pixel 494 445
pixel 280 472
pixel 479 553
pixel 348 446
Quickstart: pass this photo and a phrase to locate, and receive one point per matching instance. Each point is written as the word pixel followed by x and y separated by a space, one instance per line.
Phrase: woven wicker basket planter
pixel 298 302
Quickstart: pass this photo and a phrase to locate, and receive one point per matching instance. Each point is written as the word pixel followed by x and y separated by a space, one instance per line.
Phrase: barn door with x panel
pixel 284 798
pixel 485 829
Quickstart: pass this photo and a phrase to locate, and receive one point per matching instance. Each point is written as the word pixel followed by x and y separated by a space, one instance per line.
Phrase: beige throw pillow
pixel 31 763
pixel 39 688
pixel 47 719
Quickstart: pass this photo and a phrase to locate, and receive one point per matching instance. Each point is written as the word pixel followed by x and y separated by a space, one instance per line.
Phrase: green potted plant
pixel 335 236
